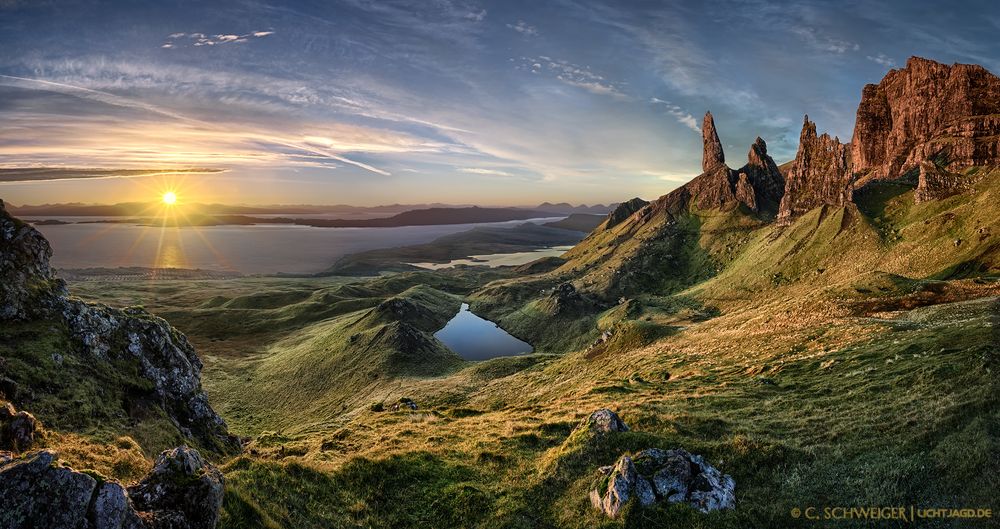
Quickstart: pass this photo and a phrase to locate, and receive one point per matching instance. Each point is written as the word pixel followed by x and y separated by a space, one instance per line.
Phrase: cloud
pixel 574 75
pixel 480 171
pixel 677 112
pixel 201 39
pixel 40 174
pixel 823 42
pixel 669 177
pixel 882 59
pixel 524 28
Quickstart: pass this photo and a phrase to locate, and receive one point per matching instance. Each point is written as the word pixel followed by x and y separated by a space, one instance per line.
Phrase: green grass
pixel 848 359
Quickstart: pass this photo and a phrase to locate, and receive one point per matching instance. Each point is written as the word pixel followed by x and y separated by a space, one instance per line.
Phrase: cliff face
pixel 924 111
pixel 820 175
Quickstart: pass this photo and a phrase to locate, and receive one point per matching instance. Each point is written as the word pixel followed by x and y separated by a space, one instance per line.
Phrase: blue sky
pixel 460 101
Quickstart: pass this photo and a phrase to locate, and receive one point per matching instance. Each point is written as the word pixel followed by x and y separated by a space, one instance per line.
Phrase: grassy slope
pixel 827 363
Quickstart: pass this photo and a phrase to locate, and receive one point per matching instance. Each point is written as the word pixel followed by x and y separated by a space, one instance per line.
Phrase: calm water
pixel 260 249
pixel 499 259
pixel 475 338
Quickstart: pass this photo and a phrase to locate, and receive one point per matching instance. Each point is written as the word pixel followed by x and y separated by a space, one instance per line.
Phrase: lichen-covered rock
pixel 130 337
pixel 182 491
pixel 28 286
pixel 605 421
pixel 112 509
pixel 38 493
pixel 621 483
pixel 164 356
pixel 670 476
pixel 819 175
pixel 923 111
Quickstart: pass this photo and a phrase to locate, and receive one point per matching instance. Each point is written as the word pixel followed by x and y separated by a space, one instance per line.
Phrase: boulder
pixel 112 509
pixel 605 421
pixel 668 476
pixel 39 493
pixel 17 428
pixel 182 491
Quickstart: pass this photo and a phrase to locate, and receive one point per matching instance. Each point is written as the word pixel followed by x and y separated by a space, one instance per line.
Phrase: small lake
pixel 475 338
pixel 499 259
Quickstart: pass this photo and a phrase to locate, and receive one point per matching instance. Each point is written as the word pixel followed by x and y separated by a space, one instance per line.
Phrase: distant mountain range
pixel 140 209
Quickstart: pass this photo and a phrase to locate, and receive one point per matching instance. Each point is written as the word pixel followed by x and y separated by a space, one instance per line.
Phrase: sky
pixel 414 101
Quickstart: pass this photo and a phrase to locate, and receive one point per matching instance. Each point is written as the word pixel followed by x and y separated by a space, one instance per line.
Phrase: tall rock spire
pixel 712 157
pixel 820 175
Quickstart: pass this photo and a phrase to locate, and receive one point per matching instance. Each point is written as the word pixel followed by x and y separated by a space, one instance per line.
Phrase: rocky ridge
pixel 929 117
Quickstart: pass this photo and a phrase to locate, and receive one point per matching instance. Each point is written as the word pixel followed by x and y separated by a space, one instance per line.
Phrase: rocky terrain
pixel 181 492
pixel 123 367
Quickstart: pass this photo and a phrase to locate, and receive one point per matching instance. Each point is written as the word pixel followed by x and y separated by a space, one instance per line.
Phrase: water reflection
pixel 475 338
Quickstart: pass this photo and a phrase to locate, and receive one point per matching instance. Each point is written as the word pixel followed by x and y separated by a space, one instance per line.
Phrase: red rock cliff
pixel 925 111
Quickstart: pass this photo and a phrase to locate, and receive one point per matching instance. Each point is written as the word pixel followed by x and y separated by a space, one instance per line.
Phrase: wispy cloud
pixel 175 40
pixel 824 42
pixel 684 118
pixel 39 174
pixel 481 171
pixel 524 28
pixel 580 76
pixel 882 59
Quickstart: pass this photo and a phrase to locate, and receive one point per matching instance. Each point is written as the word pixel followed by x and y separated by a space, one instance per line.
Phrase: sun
pixel 170 198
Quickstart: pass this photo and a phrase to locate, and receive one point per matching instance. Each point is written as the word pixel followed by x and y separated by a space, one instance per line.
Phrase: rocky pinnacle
pixel 713 157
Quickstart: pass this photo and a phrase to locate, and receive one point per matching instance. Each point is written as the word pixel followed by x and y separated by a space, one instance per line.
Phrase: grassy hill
pixel 848 358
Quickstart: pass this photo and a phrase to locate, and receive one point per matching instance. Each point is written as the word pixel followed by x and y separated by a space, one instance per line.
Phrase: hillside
pixel 820 334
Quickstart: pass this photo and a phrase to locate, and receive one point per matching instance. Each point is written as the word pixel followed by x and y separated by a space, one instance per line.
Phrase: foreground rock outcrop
pixel 130 339
pixel 28 286
pixel 668 476
pixel 181 492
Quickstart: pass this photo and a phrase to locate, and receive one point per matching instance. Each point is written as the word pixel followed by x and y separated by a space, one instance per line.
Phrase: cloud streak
pixel 176 40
